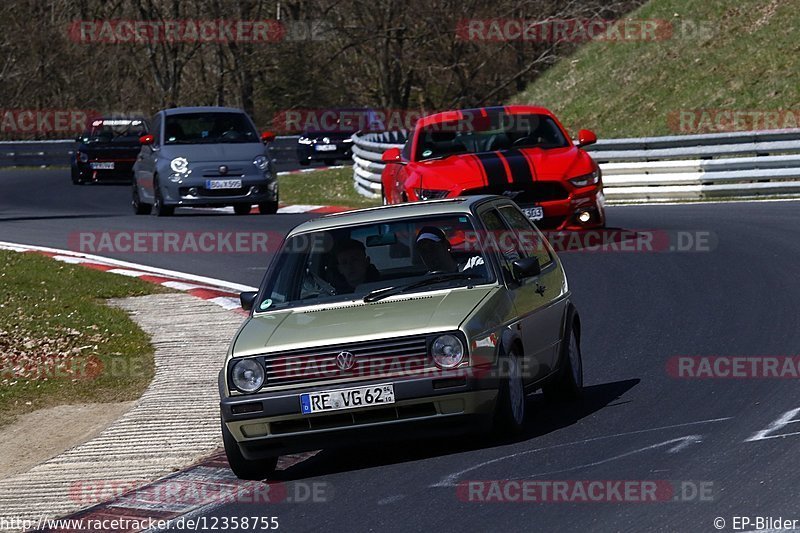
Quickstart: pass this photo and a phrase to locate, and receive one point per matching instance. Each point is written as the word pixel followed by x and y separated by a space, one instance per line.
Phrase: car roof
pixel 460 205
pixel 201 109
pixel 450 116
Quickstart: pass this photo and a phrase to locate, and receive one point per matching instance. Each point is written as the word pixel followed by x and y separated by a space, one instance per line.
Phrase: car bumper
pixel 564 214
pixel 123 171
pixel 430 406
pixel 310 154
pixel 194 192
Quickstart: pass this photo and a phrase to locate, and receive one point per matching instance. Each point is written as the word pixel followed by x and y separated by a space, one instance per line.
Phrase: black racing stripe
pixel 494 168
pixel 518 165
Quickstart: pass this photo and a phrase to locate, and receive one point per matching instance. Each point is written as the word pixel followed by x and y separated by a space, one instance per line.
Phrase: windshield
pixel 499 131
pixel 208 128
pixel 401 256
pixel 114 131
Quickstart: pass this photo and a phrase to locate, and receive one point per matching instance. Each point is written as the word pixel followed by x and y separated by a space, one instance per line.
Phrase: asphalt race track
pixel 734 294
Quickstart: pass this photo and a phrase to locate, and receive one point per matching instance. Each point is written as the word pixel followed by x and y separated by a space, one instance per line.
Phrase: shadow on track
pixel 546 417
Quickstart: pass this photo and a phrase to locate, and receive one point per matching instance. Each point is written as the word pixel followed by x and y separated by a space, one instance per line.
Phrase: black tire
pixel 159 209
pixel 242 209
pixel 568 385
pixel 268 208
pixel 511 410
pixel 139 207
pixel 245 468
pixel 76 177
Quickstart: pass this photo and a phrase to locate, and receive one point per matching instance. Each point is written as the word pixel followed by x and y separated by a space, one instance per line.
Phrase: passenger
pixel 434 250
pixel 353 265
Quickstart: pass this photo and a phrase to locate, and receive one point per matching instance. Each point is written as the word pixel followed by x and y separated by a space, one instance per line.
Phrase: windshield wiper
pixel 380 294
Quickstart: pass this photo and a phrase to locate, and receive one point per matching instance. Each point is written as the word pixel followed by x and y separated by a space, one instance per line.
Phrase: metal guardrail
pixel 650 169
pixel 58 153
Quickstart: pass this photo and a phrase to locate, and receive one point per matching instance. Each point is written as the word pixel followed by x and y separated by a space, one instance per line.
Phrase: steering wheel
pixel 526 140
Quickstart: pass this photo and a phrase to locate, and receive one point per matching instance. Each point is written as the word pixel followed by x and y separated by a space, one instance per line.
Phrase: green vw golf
pixel 430 317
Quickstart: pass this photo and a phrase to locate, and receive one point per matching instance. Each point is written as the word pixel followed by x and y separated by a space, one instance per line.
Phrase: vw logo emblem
pixel 223 169
pixel 345 360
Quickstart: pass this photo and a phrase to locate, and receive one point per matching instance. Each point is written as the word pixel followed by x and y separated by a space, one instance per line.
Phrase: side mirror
pixel 147 139
pixel 267 137
pixel 526 268
pixel 247 299
pixel 586 137
pixel 392 155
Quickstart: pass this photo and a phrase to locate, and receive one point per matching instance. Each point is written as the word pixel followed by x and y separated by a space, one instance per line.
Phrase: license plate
pixel 223 184
pixel 102 165
pixel 325 147
pixel 336 400
pixel 533 213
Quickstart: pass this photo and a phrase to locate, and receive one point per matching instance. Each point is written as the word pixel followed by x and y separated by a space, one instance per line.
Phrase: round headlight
pixel 247 375
pixel 261 162
pixel 447 351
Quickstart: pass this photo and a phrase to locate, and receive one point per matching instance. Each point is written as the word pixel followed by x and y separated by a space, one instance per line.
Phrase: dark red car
pixel 522 152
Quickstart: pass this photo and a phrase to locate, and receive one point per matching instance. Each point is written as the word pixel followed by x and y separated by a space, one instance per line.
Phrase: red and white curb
pixel 217 291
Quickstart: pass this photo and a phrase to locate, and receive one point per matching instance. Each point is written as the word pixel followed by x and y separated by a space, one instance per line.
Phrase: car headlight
pixel 447 351
pixel 247 375
pixel 83 157
pixel 586 179
pixel 430 194
pixel 304 140
pixel 261 162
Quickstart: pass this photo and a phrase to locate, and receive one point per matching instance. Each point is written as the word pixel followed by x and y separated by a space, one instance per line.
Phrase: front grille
pixel 337 420
pixel 537 191
pixel 373 360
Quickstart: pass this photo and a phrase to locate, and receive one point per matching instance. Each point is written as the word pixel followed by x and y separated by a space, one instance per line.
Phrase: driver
pixel 353 265
pixel 434 248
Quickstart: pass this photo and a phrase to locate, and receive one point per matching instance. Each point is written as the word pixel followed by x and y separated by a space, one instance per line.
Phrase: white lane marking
pixel 681 441
pixel 787 418
pixel 688 441
pixel 703 202
pixel 182 286
pixel 237 287
pixel 226 302
pixel 449 481
pixel 299 208
pixel 127 272
pixel 70 260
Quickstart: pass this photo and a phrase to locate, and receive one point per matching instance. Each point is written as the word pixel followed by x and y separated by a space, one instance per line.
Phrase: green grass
pixel 60 343
pixel 323 187
pixel 747 60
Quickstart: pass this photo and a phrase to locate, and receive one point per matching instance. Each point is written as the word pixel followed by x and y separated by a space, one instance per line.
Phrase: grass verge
pixel 332 186
pixel 60 343
pixel 720 56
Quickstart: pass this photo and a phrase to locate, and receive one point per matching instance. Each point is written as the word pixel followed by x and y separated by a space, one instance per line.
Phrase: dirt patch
pixel 45 433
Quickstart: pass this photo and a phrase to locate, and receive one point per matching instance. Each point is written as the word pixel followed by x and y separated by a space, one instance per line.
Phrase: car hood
pixel 205 153
pixel 308 327
pixel 469 171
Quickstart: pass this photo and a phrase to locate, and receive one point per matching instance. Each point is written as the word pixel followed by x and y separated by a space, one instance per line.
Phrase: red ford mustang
pixel 522 152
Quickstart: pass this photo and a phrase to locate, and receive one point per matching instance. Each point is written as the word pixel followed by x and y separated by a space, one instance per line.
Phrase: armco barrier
pixel 652 169
pixel 58 153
